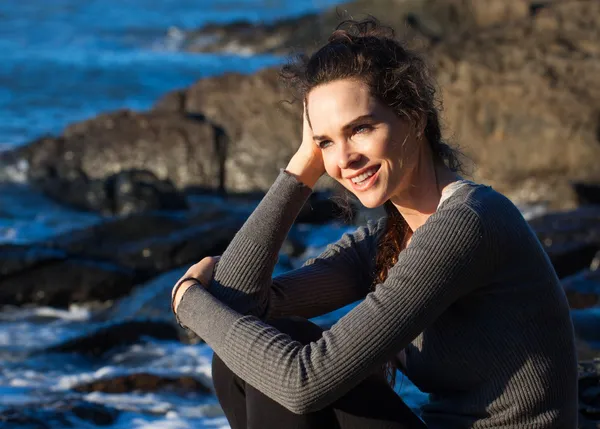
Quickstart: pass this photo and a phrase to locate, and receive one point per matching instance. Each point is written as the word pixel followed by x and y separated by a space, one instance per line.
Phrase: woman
pixel 464 296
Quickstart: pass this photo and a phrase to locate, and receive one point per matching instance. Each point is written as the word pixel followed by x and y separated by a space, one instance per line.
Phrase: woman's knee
pixel 298 328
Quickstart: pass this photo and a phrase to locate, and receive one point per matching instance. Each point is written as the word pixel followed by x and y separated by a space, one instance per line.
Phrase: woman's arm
pixel 448 257
pixel 342 274
pixel 339 276
pixel 242 279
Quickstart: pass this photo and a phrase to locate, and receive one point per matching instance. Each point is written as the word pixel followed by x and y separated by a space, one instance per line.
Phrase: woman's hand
pixel 307 163
pixel 200 273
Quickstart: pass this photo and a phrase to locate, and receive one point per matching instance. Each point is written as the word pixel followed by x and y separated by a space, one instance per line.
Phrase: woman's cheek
pixel 331 167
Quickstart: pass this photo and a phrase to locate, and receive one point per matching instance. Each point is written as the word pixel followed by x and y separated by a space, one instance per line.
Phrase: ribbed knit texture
pixel 473 301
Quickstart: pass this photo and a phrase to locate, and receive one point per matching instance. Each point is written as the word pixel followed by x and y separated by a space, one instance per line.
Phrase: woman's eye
pixel 324 143
pixel 362 128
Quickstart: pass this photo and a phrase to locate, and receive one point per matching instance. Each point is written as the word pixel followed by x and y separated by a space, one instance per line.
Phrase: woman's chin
pixel 371 201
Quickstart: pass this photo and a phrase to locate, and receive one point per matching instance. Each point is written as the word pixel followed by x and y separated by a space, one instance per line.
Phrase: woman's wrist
pixel 304 170
pixel 179 290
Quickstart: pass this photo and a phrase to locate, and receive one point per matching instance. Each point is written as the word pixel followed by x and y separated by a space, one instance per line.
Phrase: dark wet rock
pixel 327 206
pixel 105 261
pixel 144 382
pixel 587 193
pixel 123 193
pixel 101 340
pixel 63 414
pixel 155 242
pixel 97 414
pixel 570 238
pixel 569 258
pixel 586 323
pixel 589 394
pixel 59 282
pixel 15 258
pixel 251 38
pixel 583 289
pixel 292 247
pixel 179 147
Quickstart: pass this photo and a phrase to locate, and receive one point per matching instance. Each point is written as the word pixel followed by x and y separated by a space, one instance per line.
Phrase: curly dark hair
pixel 398 77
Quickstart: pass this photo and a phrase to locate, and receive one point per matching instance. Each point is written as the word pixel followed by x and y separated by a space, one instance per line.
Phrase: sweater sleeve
pixel 446 259
pixel 342 274
pixel 339 276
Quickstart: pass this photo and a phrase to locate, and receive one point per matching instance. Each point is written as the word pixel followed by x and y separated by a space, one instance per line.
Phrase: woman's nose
pixel 346 157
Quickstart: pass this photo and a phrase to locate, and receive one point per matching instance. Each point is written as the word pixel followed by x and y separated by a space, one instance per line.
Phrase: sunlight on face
pixel 365 145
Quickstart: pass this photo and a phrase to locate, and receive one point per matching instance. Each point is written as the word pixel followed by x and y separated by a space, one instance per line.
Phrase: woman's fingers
pixel 201 271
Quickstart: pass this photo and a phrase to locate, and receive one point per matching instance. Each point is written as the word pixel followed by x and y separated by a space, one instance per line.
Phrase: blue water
pixel 67 60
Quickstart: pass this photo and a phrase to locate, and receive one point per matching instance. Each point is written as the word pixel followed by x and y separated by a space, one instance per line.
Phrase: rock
pixel 569 258
pixel 155 242
pixel 433 20
pixel 181 148
pixel 59 282
pixel 571 238
pixel 101 340
pixel 15 258
pixel 105 261
pixel 97 414
pixel 471 15
pixel 327 206
pixel 152 300
pixel 515 95
pixel 264 131
pixel 587 193
pixel 589 394
pixel 583 289
pixel 64 413
pixel 133 191
pixel 144 382
pixel 140 191
pixel 250 38
pixel 586 323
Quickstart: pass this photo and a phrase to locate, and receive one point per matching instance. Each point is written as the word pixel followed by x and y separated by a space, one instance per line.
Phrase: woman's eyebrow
pixel 348 125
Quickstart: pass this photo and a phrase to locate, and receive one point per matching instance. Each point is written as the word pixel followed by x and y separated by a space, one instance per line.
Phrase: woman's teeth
pixel 364 176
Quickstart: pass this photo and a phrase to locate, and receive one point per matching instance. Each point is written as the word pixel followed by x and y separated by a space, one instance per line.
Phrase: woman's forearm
pixel 243 276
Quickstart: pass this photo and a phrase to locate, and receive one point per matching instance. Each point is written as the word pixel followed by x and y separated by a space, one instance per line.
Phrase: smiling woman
pixel 455 286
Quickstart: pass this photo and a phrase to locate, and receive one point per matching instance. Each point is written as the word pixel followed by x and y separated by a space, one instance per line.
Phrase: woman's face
pixel 365 145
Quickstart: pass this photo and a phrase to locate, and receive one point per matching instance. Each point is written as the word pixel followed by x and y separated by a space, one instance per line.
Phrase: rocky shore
pixel 520 82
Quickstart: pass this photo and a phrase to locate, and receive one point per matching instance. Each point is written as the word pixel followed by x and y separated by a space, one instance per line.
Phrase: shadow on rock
pixel 144 382
pixel 105 261
pixel 133 191
pixel 571 238
pixel 59 414
pixel 101 340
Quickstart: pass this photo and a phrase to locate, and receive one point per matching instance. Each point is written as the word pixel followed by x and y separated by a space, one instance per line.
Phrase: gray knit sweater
pixel 473 301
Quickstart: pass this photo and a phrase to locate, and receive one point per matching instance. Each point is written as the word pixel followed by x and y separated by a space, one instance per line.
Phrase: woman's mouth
pixel 365 180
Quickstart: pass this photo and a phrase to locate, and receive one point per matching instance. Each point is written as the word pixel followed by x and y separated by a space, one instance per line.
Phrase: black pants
pixel 372 404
